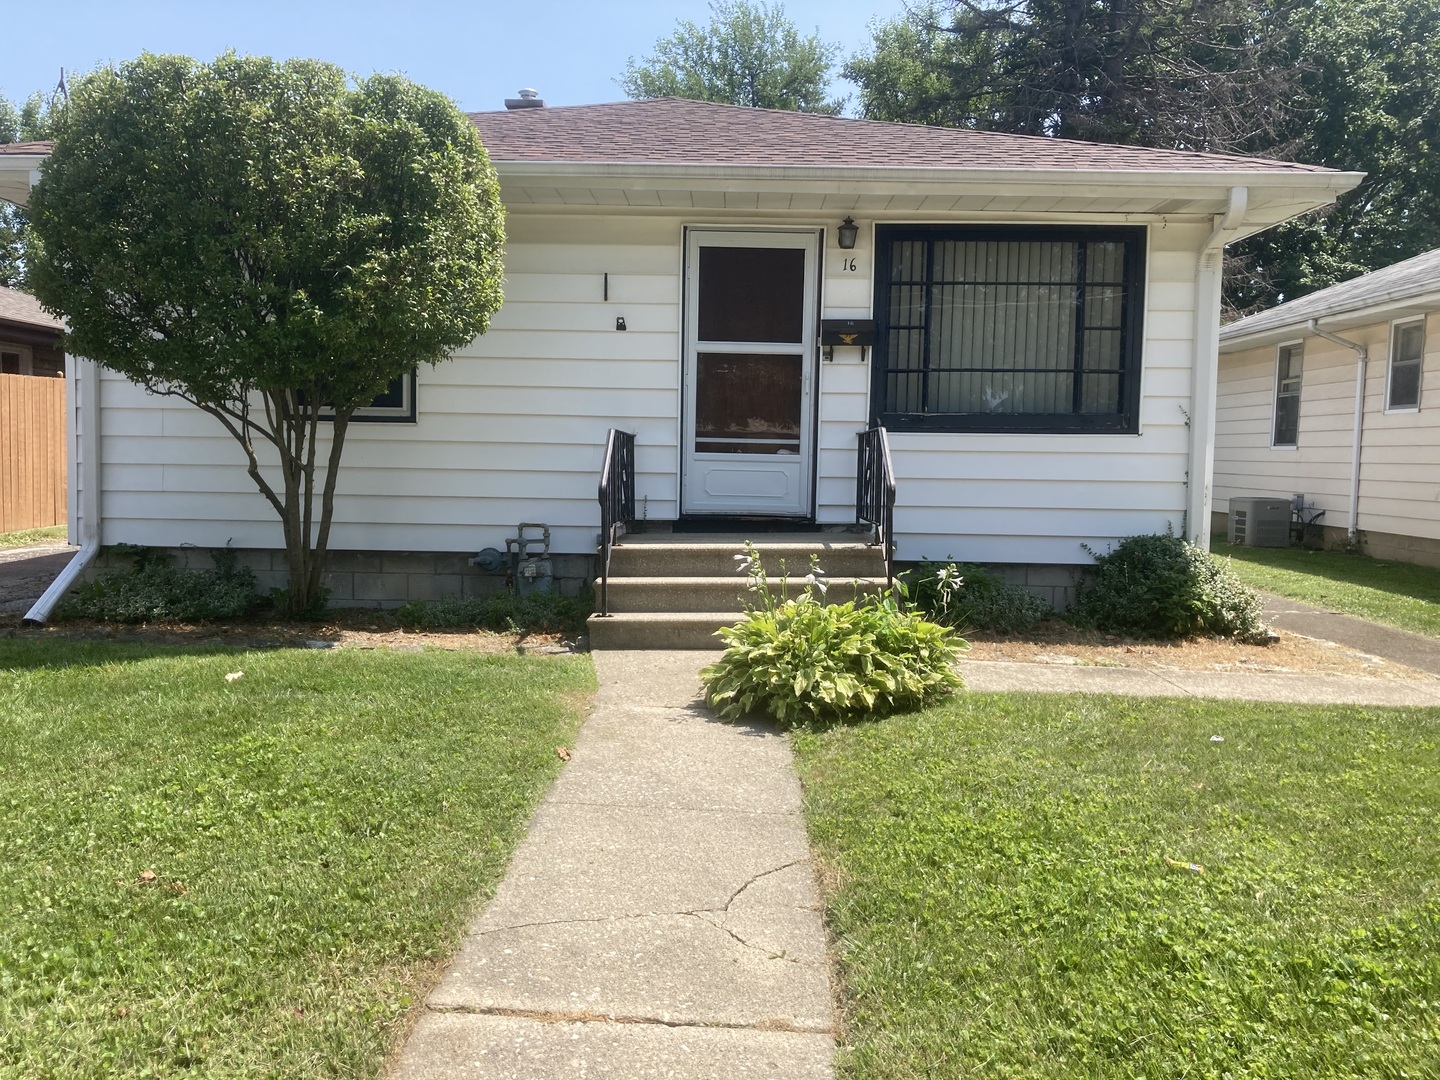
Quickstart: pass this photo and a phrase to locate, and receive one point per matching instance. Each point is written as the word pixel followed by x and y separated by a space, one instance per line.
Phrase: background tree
pixel 1209 75
pixel 24 123
pixel 1350 84
pixel 750 54
pixel 272 244
pixel 1369 101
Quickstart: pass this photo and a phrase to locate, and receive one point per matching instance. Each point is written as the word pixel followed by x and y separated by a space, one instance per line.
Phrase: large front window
pixel 1009 329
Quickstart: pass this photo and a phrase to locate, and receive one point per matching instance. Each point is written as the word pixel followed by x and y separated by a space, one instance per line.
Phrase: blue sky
pixel 479 53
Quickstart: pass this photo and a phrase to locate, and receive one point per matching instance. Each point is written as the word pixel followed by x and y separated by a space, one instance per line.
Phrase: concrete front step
pixel 664 555
pixel 681 594
pixel 660 629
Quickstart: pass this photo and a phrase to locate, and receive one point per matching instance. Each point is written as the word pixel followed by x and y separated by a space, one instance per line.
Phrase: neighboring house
pixel 32 415
pixel 29 337
pixel 1045 336
pixel 1336 397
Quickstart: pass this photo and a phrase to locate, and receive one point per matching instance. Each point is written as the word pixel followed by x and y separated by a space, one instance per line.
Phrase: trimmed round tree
pixel 274 243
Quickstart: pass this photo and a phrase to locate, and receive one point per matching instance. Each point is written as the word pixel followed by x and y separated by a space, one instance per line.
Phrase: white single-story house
pixel 1044 317
pixel 1326 397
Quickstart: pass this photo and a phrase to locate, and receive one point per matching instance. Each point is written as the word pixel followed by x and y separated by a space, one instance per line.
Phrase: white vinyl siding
pixel 512 428
pixel 1400 454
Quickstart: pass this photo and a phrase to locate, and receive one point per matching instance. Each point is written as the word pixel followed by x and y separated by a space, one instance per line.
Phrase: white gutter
pixel 1204 370
pixel 1362 356
pixel 84 423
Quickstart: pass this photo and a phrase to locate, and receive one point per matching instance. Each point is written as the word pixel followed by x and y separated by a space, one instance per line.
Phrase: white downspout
pixel 83 377
pixel 1362 357
pixel 1204 371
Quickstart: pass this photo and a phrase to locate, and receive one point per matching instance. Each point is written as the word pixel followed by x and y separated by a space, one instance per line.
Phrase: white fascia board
pixel 18 173
pixel 1400 307
pixel 1297 192
pixel 1323 186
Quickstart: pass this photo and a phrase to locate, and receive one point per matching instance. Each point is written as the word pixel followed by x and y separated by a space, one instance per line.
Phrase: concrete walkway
pixel 660 919
pixel 1397 646
pixel 26 572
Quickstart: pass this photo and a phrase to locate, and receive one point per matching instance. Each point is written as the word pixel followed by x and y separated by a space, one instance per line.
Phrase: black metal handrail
pixel 875 492
pixel 617 501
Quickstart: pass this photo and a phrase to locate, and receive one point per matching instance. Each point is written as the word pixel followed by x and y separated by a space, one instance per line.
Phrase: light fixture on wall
pixel 847 233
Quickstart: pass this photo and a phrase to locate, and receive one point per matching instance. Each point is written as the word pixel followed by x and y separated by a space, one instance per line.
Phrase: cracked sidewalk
pixel 660 917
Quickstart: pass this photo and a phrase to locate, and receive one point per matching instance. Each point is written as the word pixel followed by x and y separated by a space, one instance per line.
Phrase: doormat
pixel 743 524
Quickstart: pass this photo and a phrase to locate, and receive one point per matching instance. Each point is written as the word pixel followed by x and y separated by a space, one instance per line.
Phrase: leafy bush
pixel 153 590
pixel 1162 586
pixel 970 597
pixel 802 661
pixel 501 611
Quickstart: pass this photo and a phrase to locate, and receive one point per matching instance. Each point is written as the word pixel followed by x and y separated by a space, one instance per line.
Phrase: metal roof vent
pixel 528 99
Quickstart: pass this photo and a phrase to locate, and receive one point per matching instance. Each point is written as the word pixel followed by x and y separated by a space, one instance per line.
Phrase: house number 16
pixel 847 266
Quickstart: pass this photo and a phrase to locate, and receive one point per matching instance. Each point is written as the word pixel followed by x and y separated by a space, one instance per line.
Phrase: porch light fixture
pixel 847 233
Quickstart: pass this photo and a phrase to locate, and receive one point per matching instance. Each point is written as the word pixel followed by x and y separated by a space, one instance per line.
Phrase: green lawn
pixel 1011 890
pixel 255 877
pixel 1400 594
pixel 25 537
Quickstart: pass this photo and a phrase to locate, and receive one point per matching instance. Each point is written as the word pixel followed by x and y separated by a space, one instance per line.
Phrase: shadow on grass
pixel 1399 579
pixel 29 651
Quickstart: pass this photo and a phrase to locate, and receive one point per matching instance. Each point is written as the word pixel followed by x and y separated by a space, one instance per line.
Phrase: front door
pixel 749 372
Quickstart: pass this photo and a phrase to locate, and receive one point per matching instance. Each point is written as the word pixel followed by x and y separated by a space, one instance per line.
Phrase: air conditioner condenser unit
pixel 1259 522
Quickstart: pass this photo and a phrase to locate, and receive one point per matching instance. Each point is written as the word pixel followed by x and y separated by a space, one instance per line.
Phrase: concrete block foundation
pixel 371 579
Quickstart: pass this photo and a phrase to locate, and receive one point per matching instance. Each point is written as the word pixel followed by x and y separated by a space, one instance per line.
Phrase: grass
pixel 258 876
pixel 1010 886
pixel 1398 594
pixel 26 537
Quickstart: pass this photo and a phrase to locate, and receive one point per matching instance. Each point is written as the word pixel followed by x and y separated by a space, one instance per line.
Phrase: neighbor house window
pixel 1009 329
pixel 1287 395
pixel 15 359
pixel 1407 355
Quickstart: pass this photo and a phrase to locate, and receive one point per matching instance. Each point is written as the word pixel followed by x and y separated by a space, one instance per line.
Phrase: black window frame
pixel 404 413
pixel 1134 239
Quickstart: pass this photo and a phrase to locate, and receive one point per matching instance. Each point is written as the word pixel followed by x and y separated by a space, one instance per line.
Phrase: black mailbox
pixel 859 332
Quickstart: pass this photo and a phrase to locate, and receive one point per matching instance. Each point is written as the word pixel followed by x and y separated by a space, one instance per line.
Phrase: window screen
pixel 1009 329
pixel 1287 395
pixel 1407 356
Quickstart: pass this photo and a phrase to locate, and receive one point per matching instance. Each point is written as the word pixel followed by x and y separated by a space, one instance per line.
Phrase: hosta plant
pixel 804 662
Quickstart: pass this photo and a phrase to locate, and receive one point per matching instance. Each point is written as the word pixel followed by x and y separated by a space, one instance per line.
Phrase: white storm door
pixel 750 308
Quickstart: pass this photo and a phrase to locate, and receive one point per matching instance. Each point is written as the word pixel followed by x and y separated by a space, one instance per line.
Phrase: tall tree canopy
pixel 1369 101
pixel 1351 84
pixel 272 244
pixel 749 54
pixel 1126 71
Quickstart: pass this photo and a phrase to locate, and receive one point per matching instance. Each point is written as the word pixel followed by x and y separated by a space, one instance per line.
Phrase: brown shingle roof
pixel 25 148
pixel 674 131
pixel 19 307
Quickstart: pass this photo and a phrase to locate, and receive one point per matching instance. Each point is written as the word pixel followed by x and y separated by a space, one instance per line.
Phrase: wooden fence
pixel 32 452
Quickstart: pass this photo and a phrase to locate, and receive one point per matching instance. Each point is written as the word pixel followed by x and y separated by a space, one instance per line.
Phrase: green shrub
pixel 971 597
pixel 153 590
pixel 801 661
pixel 502 611
pixel 1163 587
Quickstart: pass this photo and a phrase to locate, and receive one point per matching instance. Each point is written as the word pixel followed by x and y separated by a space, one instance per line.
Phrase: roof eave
pixel 1327 180
pixel 1235 339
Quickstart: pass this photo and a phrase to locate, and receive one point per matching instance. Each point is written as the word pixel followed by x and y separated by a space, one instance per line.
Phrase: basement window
pixel 1407 357
pixel 1009 329
pixel 1288 365
pixel 395 406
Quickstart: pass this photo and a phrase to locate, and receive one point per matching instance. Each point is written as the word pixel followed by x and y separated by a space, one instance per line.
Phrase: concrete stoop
pixel 669 591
